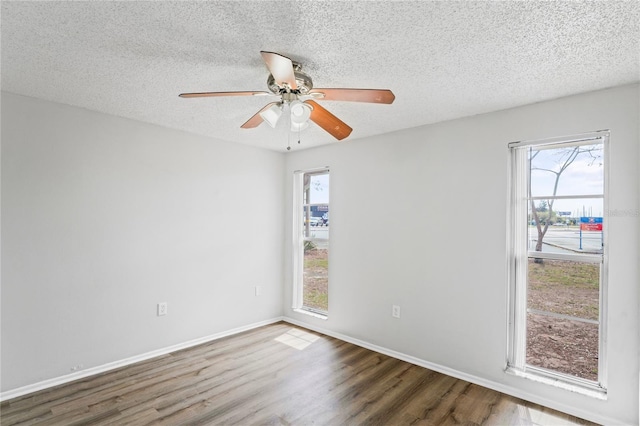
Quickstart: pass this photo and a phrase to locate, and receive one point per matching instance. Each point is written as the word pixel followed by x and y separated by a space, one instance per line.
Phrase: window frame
pixel 299 239
pixel 517 266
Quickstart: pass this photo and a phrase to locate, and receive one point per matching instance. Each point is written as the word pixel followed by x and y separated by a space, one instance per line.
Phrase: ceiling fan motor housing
pixel 304 82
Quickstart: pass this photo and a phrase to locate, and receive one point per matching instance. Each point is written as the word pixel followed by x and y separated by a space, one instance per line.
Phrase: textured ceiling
pixel 443 60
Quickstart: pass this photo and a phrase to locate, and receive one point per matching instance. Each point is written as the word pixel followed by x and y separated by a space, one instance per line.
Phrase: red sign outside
pixel 591 226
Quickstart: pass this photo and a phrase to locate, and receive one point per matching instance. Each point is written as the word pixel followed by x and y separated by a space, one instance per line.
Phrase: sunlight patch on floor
pixel 536 417
pixel 297 338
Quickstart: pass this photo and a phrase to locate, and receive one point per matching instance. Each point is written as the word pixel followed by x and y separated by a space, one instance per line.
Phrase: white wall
pixel 418 219
pixel 103 217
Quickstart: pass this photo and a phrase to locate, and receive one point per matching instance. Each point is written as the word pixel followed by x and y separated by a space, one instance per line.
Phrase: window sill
pixel 310 313
pixel 593 391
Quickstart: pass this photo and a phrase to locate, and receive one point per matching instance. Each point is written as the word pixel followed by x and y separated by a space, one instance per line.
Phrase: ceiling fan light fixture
pixel 300 113
pixel 271 115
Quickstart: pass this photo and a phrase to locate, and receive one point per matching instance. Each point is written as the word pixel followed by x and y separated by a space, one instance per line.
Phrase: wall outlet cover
pixel 162 308
pixel 395 311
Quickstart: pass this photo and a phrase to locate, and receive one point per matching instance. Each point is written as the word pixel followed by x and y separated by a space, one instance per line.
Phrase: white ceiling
pixel 443 60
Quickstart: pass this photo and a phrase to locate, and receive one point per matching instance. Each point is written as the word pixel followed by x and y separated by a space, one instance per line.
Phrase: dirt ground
pixel 563 345
pixel 569 347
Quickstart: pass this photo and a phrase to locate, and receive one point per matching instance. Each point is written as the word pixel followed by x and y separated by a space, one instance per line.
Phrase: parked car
pixel 315 221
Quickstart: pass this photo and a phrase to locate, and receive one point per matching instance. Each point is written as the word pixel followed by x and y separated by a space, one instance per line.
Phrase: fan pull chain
pixel 289 132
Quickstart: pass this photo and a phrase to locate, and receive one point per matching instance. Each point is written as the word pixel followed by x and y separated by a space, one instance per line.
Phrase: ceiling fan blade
pixel 281 68
pixel 213 94
pixel 356 95
pixel 329 122
pixel 256 120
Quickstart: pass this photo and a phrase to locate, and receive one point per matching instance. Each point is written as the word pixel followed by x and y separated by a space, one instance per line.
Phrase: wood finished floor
pixel 274 375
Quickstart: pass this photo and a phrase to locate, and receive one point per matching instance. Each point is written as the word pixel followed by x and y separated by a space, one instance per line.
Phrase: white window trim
pixel 517 270
pixel 297 303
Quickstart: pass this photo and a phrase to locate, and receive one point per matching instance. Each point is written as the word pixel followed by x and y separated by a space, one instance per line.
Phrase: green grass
pixel 316 263
pixel 564 273
pixel 564 287
pixel 316 299
pixel 316 279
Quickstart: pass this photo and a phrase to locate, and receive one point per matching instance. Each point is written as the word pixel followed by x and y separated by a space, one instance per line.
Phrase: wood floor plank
pixel 83 386
pixel 274 375
pixel 292 396
pixel 208 382
pixel 223 394
pixel 71 392
pixel 398 398
pixel 281 392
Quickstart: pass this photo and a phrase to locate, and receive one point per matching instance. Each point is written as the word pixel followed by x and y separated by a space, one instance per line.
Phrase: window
pixel 557 266
pixel 311 242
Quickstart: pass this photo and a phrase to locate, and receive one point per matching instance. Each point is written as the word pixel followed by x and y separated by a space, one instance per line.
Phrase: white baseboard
pixel 14 393
pixel 509 390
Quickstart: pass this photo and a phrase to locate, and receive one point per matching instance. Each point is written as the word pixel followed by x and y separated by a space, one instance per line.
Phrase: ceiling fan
pixel 296 92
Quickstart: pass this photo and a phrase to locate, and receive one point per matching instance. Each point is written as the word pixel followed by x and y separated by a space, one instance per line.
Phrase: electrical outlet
pixel 162 308
pixel 395 311
pixel 258 290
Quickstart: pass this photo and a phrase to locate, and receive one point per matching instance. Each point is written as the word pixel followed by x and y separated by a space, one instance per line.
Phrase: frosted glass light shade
pixel 300 113
pixel 271 115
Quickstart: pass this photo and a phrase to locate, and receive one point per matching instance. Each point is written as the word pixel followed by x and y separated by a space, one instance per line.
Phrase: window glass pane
pixel 570 170
pixel 564 287
pixel 574 226
pixel 316 275
pixel 565 346
pixel 316 188
pixel 316 222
